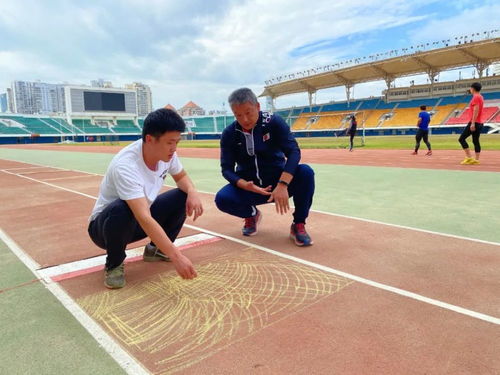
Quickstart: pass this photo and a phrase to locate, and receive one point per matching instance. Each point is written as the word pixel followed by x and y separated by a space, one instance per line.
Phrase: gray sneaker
pixel 153 254
pixel 114 278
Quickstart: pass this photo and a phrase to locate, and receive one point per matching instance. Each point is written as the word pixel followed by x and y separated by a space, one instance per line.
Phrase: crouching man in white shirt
pixel 129 207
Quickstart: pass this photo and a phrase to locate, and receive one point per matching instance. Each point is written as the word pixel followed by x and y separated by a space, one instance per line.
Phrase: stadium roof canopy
pixel 479 54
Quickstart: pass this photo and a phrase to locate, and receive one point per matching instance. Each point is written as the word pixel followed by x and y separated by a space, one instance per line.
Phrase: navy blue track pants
pixel 242 203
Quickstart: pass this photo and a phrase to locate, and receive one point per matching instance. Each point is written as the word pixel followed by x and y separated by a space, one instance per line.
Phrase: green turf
pixel 82 161
pixel 436 200
pixel 33 321
pixel 462 203
pixel 12 271
pixel 39 336
pixel 398 142
pixel 455 202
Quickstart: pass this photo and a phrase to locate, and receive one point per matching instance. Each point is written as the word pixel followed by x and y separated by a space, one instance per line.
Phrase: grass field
pixel 395 142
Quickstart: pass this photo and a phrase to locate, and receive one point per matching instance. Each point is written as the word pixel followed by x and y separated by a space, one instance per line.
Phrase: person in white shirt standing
pixel 129 206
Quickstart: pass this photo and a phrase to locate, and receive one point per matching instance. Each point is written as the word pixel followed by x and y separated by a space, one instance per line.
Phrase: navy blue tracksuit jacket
pixel 259 156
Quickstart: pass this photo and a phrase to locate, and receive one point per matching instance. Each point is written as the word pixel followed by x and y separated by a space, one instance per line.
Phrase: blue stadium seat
pixel 491 95
pixel 416 103
pixel 455 99
pixel 369 104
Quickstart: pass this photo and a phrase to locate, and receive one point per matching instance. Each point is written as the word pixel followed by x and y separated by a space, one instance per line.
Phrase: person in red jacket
pixel 474 126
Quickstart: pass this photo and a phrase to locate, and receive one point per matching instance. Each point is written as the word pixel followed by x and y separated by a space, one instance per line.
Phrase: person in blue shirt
pixel 260 160
pixel 424 118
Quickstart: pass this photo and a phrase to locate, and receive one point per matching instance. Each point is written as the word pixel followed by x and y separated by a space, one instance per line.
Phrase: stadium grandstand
pixel 396 110
pixel 379 115
pixel 109 114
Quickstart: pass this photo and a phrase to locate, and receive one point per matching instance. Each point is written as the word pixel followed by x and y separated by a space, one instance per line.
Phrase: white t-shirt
pixel 128 177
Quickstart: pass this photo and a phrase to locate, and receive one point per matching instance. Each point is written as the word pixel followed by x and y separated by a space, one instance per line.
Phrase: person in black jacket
pixel 352 131
pixel 260 160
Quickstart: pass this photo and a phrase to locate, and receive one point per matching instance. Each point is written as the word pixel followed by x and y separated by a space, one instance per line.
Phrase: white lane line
pixel 25 258
pixel 402 292
pixel 49 184
pixel 409 228
pixel 46 171
pixel 68 178
pixel 375 284
pixel 22 168
pixel 79 265
pixel 126 361
pixel 388 224
pixel 332 214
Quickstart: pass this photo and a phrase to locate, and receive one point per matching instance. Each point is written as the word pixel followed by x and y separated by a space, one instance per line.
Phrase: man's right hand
pixel 184 267
pixel 250 186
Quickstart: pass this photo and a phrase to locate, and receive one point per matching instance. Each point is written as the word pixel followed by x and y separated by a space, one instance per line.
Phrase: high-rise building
pixel 101 83
pixel 10 100
pixel 144 97
pixel 3 102
pixel 37 97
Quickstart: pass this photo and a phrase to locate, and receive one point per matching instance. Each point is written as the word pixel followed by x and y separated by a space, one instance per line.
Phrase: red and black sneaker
pixel 250 227
pixel 299 235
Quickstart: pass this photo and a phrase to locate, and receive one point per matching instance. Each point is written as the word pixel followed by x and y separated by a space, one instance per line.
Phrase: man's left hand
pixel 193 205
pixel 280 197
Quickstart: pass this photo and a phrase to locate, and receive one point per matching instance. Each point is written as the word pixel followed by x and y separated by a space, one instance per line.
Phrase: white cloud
pixel 24 63
pixel 260 35
pixel 200 50
pixel 470 20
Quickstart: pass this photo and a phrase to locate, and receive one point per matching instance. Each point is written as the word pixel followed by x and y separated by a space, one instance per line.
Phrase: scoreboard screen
pixel 103 101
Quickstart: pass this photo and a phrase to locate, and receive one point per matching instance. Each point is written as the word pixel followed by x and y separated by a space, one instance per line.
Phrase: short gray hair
pixel 241 96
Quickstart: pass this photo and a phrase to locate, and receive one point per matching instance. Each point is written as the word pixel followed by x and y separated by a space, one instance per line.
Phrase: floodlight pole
pixel 388 81
pixel 431 73
pixel 310 94
pixel 270 100
pixel 348 88
pixel 481 67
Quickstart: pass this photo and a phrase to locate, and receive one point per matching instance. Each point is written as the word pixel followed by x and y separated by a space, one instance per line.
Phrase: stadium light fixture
pixel 462 39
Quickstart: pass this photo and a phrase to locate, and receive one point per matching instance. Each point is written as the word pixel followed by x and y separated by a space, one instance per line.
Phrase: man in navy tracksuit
pixel 266 156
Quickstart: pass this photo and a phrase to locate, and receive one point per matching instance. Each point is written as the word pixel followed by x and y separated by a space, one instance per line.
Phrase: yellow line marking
pixel 178 323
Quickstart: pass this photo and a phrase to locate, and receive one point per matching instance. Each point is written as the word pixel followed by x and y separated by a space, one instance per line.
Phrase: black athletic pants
pixel 422 134
pixel 475 137
pixel 352 133
pixel 115 227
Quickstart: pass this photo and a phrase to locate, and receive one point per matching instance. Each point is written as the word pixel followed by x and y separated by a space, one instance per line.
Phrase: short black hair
pixel 161 121
pixel 423 107
pixel 476 86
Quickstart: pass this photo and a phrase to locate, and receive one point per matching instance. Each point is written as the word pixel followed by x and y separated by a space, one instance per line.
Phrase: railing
pixel 463 39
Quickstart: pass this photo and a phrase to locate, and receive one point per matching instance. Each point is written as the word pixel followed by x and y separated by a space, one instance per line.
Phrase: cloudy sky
pixel 202 50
